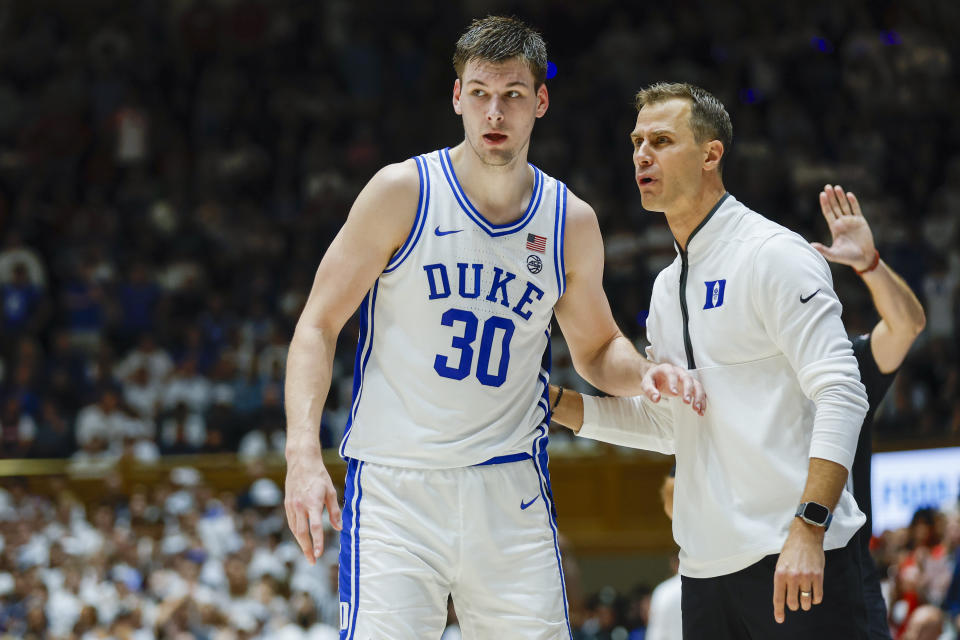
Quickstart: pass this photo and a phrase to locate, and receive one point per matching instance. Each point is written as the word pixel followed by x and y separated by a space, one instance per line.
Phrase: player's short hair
pixel 501 38
pixel 708 117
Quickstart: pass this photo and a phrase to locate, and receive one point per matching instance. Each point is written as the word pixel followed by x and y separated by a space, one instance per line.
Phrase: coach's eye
pixel 479 93
pixel 513 94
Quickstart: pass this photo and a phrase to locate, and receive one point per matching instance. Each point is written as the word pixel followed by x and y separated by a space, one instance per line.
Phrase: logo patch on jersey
pixel 714 293
pixel 524 505
pixel 534 264
pixel 445 233
pixel 536 243
pixel 344 615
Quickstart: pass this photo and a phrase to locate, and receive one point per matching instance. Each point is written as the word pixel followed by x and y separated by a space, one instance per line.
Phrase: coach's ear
pixel 456 97
pixel 712 154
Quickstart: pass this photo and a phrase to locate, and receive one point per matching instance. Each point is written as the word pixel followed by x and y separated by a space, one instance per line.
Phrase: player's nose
pixel 495 110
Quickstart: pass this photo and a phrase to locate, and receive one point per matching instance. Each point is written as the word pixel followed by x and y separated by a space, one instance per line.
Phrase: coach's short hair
pixel 500 38
pixel 708 117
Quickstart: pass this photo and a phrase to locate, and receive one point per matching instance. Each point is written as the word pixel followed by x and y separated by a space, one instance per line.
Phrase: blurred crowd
pixel 171 173
pixel 921 564
pixel 181 560
pixel 175 560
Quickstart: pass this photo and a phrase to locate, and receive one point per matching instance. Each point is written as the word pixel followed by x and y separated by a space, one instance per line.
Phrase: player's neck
pixel 688 213
pixel 500 193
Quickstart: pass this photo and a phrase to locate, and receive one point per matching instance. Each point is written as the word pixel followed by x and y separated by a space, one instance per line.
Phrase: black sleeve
pixel 877 384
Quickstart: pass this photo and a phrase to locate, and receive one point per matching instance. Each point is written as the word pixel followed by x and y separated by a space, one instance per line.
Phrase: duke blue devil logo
pixel 714 293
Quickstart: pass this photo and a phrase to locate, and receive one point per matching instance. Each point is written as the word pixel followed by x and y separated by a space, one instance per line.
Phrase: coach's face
pixel 668 161
pixel 499 104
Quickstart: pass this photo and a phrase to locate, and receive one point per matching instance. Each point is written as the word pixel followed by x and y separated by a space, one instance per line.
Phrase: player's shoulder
pixel 392 193
pixel 397 179
pixel 581 217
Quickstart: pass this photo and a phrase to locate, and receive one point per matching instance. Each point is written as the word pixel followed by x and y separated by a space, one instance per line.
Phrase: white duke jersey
pixel 453 359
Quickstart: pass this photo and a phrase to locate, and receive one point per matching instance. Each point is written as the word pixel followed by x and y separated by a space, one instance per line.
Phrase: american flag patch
pixel 536 243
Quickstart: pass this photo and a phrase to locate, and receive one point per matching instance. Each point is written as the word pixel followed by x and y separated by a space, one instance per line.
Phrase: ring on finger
pixel 805 594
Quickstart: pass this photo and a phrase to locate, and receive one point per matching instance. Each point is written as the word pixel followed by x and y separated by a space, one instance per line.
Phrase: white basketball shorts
pixel 484 534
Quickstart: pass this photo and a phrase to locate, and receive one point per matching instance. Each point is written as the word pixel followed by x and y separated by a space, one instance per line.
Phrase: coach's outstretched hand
pixel 308 489
pixel 672 380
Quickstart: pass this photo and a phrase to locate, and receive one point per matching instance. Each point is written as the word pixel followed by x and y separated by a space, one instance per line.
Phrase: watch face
pixel 816 512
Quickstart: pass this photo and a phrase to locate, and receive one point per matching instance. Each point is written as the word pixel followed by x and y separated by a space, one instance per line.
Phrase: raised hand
pixel 852 240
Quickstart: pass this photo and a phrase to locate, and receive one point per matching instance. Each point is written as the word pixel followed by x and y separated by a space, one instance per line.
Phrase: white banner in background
pixel 903 481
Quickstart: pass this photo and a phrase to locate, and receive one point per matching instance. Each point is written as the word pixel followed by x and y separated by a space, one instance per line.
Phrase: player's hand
pixel 852 240
pixel 307 490
pixel 798 580
pixel 674 381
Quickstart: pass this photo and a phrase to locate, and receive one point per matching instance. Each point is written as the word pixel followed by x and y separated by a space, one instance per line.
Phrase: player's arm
pixel 600 352
pixel 567 409
pixel 378 223
pixel 901 314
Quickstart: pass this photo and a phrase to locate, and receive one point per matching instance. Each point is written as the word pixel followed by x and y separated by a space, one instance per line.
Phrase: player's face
pixel 499 105
pixel 667 160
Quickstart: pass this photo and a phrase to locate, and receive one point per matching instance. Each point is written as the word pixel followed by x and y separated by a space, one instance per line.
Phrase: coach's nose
pixel 641 155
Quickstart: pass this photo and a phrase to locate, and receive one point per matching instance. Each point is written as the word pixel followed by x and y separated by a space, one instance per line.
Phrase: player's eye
pixel 479 93
pixel 513 94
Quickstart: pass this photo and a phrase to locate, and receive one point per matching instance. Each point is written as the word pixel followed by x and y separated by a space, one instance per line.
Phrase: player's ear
pixel 456 97
pixel 543 100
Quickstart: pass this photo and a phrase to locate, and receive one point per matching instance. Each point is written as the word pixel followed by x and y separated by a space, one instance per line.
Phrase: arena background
pixel 171 173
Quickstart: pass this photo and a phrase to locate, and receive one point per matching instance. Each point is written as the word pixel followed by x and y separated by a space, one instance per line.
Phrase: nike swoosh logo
pixel 807 299
pixel 524 505
pixel 445 233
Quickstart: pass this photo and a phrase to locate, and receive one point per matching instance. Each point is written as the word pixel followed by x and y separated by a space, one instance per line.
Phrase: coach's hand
pixel 798 580
pixel 675 381
pixel 308 488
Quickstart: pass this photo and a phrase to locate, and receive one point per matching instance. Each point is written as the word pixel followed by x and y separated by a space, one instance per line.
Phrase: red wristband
pixel 873 265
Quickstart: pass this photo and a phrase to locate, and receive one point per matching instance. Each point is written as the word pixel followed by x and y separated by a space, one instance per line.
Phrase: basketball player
pixel 458 259
pixel 879 354
pixel 761 511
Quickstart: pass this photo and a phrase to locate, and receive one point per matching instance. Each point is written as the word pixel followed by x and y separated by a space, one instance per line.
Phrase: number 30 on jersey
pixel 494 328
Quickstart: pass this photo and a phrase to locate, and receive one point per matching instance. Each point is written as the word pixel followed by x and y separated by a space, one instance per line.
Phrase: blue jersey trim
pixel 546 363
pixel 423 204
pixel 364 348
pixel 541 461
pixel 493 230
pixel 513 457
pixel 559 232
pixel 349 557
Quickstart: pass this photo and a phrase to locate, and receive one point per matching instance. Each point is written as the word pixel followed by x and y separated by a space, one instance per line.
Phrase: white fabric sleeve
pixel 630 422
pixel 793 294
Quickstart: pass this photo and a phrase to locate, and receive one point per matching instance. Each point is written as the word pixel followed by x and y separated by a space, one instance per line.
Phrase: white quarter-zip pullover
pixel 750 307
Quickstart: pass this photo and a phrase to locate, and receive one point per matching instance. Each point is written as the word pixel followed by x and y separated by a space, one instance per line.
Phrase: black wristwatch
pixel 814 513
